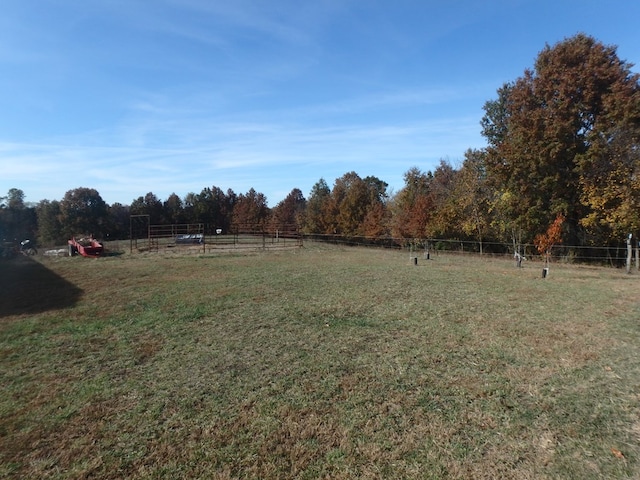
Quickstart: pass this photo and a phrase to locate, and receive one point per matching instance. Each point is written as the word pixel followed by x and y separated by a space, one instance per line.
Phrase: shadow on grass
pixel 28 287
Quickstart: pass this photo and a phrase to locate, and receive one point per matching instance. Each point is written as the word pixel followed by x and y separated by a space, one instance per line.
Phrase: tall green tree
pixel 83 212
pixel 189 202
pixel 119 222
pixel 150 205
pixel 15 199
pixel 212 207
pixel 50 231
pixel 17 220
pixel 173 210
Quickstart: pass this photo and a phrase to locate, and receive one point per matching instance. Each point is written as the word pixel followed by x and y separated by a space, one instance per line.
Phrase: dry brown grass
pixel 321 363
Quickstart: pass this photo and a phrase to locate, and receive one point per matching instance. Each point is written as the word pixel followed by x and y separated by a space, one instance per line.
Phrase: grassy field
pixel 319 362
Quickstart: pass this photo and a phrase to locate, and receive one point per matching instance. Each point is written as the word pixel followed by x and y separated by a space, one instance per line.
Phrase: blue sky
pixel 172 96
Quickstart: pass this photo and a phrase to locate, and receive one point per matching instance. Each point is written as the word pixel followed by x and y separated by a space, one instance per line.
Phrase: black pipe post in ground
pixel 629 248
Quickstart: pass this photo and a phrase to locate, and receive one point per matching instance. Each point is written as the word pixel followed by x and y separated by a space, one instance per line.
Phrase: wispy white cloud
pixel 132 96
pixel 289 22
pixel 237 156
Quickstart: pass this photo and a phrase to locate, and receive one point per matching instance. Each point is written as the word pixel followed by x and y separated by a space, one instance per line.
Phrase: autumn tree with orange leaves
pixel 562 139
pixel 544 242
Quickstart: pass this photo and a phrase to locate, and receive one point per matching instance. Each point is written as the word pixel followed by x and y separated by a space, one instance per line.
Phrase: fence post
pixel 629 252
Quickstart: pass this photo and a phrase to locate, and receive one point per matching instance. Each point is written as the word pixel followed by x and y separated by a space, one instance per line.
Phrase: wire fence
pixel 202 238
pixel 208 238
pixel 611 255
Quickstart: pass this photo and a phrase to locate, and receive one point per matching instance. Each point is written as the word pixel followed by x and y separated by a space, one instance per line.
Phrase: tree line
pixel 563 142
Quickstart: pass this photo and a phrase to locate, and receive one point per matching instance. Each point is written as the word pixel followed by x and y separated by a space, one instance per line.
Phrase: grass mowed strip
pixel 321 362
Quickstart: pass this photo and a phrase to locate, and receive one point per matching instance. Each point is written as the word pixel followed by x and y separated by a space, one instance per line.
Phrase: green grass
pixel 319 362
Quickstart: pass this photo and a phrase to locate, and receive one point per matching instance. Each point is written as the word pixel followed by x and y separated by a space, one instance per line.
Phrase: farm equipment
pixel 190 239
pixel 28 248
pixel 87 247
pixel 11 249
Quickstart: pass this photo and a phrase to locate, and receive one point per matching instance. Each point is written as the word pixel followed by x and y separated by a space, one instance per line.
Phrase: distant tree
pixel 190 200
pixel 354 200
pixel 317 218
pixel 226 201
pixel 17 220
pixel 377 190
pixel 50 231
pixel 15 199
pixel 204 206
pixel 376 221
pixel 495 125
pixel 149 205
pixel 250 212
pixel 506 220
pixel 138 206
pixel 173 210
pixel 213 208
pixel 507 214
pixel 289 213
pixel 472 196
pixel 441 190
pixel 231 200
pixel 119 222
pixel 353 208
pixel 339 214
pixel 413 207
pixel 83 212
